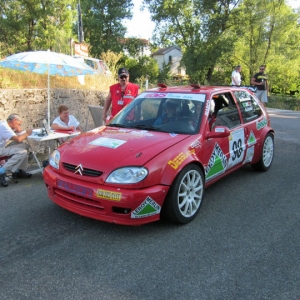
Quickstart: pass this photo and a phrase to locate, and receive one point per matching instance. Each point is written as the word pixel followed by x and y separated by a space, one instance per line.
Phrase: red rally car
pixel 159 153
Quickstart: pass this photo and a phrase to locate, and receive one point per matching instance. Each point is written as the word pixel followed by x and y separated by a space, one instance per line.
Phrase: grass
pixel 11 79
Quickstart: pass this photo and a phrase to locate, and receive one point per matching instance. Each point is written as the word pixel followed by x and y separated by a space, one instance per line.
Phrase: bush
pixel 284 102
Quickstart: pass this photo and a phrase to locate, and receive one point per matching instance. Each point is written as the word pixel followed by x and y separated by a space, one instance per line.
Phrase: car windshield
pixel 166 112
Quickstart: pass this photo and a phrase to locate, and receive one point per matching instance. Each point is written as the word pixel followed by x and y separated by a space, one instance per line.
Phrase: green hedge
pixel 284 102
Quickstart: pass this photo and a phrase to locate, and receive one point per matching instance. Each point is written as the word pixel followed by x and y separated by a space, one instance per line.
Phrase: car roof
pixel 195 88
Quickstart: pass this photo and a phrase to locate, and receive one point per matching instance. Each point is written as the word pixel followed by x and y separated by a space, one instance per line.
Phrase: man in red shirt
pixel 120 94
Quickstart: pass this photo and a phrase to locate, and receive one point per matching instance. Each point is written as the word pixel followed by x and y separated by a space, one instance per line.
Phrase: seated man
pixel 18 161
pixel 168 115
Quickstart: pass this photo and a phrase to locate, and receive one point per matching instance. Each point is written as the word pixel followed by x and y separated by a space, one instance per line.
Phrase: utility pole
pixel 80 25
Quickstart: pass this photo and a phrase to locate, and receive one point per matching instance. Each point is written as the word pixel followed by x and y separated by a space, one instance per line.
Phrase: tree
pixel 199 28
pixel 35 25
pixel 102 24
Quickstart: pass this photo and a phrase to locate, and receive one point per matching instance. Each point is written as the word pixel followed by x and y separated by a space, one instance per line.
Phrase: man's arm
pixel 106 106
pixel 21 137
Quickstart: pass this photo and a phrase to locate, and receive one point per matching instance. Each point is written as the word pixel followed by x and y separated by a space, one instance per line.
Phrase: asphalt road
pixel 244 244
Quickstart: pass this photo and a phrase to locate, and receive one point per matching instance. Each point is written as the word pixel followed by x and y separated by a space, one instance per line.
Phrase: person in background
pixel 120 94
pixel 260 81
pixel 11 144
pixel 236 78
pixel 65 121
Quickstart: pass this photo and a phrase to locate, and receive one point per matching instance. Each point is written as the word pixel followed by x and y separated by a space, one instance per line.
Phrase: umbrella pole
pixel 48 98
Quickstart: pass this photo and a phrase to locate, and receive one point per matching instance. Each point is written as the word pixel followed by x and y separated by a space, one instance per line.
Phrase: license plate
pixel 74 188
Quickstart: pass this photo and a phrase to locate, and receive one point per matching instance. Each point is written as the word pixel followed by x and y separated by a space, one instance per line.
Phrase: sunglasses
pixel 262 69
pixel 123 77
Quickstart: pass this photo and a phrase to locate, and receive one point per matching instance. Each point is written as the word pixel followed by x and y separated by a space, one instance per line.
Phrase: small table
pixel 54 136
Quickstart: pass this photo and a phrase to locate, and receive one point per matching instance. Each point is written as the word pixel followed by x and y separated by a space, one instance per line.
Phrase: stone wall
pixel 32 104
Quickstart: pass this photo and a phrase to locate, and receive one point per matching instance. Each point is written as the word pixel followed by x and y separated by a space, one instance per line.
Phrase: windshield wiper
pixel 118 125
pixel 146 127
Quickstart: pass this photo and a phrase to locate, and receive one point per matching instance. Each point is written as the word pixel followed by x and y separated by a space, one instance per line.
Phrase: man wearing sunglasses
pixel 260 81
pixel 120 94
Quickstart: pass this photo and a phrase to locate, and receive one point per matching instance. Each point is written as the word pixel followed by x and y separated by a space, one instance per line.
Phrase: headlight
pixel 127 175
pixel 54 159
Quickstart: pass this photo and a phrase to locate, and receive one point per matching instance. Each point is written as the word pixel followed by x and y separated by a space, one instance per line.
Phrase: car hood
pixel 114 147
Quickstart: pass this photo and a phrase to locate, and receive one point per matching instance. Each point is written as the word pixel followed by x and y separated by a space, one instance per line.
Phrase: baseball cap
pixel 123 71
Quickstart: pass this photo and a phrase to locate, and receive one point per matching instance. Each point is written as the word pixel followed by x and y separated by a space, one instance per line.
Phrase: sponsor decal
pixel 107 142
pixel 207 108
pixel 180 158
pixel 146 209
pixel 156 95
pixel 217 163
pixel 141 133
pixel 108 195
pixel 247 104
pixel 195 144
pixel 251 139
pixel 236 147
pixel 261 124
pixel 249 155
pixel 219 130
pixel 74 188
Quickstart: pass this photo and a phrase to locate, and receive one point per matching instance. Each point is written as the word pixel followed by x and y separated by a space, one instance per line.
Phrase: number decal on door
pixel 236 147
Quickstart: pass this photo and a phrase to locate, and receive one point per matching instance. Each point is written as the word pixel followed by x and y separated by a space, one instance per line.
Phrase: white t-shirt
pixel 72 122
pixel 237 76
pixel 5 133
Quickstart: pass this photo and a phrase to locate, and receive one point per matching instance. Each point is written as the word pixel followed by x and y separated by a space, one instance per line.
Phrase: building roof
pixel 163 51
pixel 143 41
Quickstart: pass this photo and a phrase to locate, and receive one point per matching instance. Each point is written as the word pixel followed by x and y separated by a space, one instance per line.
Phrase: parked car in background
pixel 97 64
pixel 156 156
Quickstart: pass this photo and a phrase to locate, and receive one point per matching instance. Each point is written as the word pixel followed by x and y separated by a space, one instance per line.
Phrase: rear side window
pixel 248 105
pixel 224 111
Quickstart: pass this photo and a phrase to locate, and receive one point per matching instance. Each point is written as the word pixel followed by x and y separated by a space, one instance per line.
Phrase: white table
pixel 54 136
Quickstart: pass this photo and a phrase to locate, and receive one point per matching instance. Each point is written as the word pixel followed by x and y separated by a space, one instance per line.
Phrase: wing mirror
pixel 218 132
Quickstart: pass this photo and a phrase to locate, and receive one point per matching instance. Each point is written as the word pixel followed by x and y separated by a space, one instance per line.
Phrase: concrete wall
pixel 31 104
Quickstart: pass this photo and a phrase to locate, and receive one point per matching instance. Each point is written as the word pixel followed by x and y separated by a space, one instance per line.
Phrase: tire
pixel 185 196
pixel 267 154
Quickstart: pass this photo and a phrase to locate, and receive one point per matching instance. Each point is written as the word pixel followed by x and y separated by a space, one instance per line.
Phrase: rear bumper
pixel 105 203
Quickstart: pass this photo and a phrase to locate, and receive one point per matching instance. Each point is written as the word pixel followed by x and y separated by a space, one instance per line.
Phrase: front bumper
pixel 106 203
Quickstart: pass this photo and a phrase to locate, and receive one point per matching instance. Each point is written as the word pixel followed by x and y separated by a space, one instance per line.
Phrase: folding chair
pixel 4 158
pixel 96 112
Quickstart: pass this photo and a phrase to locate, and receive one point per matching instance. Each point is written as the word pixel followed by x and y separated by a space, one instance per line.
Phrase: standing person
pixel 65 121
pixel 120 94
pixel 260 81
pixel 236 78
pixel 11 131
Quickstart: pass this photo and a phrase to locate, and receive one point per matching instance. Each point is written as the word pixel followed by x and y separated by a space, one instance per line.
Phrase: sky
pixel 141 26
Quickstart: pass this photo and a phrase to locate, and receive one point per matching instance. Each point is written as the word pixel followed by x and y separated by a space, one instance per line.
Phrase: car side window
pixel 248 105
pixel 224 111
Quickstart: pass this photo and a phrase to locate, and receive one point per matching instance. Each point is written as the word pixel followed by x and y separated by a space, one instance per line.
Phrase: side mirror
pixel 218 132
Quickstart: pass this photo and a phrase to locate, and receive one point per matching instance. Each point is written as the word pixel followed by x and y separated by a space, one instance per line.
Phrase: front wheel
pixel 185 196
pixel 267 154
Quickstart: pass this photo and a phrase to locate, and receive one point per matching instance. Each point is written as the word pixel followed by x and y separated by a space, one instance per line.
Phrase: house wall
pixel 176 57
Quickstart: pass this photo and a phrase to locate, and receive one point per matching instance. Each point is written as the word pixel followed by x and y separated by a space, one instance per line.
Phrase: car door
pixel 253 121
pixel 225 153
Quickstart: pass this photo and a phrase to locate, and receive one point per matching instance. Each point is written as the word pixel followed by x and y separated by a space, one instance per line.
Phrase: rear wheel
pixel 267 154
pixel 185 196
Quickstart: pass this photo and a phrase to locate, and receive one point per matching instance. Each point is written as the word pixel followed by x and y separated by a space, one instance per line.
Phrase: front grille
pixel 85 171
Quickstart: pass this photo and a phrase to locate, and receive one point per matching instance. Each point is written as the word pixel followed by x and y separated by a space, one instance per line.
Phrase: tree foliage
pixel 102 24
pixel 216 35
pixel 35 25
